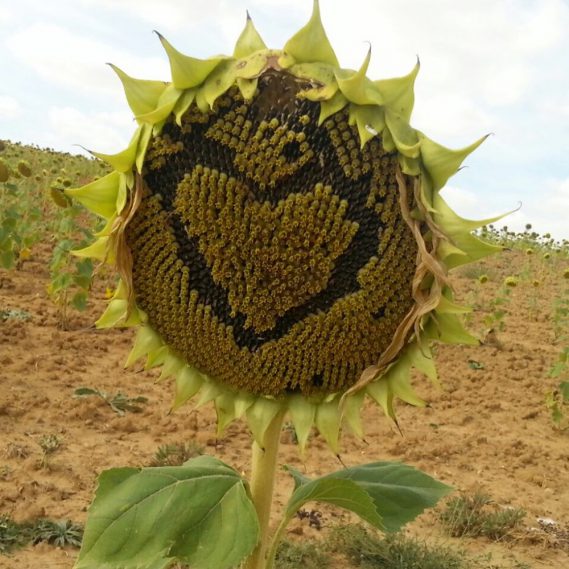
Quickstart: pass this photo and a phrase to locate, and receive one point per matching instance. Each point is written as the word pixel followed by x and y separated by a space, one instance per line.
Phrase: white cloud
pixel 6 15
pixel 477 54
pixel 175 15
pixel 71 59
pixel 102 132
pixel 10 108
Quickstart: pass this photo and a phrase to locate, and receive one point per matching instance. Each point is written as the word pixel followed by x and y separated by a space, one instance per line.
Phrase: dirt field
pixel 488 429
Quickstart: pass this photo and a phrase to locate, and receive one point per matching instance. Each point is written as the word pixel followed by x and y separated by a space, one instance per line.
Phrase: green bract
pixel 280 234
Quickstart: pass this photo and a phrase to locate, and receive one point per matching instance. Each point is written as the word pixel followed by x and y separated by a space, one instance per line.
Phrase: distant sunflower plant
pixel 283 249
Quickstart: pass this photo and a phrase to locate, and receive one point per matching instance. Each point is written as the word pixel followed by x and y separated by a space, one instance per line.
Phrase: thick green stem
pixel 263 470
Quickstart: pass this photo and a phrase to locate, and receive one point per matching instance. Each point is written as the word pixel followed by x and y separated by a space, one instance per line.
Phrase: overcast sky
pixel 499 66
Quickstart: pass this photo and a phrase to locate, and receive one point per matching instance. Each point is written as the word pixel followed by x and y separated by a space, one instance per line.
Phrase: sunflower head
pixel 280 235
pixel 4 171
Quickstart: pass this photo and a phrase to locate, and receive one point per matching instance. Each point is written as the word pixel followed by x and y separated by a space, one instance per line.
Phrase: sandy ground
pixel 488 429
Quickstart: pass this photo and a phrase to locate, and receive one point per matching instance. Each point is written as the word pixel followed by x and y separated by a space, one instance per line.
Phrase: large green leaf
pixel 198 513
pixel 342 493
pixel 398 492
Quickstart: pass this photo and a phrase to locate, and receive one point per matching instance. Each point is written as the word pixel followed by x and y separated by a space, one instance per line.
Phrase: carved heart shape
pixel 269 258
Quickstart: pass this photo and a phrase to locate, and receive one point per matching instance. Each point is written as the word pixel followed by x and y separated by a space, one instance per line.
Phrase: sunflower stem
pixel 263 470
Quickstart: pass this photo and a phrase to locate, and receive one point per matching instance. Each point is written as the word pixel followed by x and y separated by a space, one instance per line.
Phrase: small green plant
pixel 498 305
pixel 118 402
pixel 71 278
pixel 14 314
pixel 477 515
pixel 58 533
pixel 176 454
pixel 11 535
pixel 49 444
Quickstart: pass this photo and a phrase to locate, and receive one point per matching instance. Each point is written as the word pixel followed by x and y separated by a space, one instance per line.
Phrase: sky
pixel 487 66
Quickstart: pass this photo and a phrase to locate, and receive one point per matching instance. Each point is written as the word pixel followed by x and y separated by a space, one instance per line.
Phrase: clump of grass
pixel 393 551
pixel 49 444
pixel 11 535
pixel 60 533
pixel 477 515
pixel 176 454
pixel 291 555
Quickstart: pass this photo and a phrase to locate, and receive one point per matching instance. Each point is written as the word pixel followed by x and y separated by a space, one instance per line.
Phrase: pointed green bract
pixel 188 71
pixel 404 136
pixel 447 306
pixel 183 104
pixel 142 146
pixel 123 161
pixel 353 415
pixel 450 330
pixel 441 162
pixel 422 360
pixel 399 378
pixel 465 246
pixel 331 106
pixel 188 382
pixel 328 420
pixel 381 393
pixel 97 250
pixel 225 409
pixel 99 196
pixel 311 43
pixel 249 41
pixel 398 93
pixel 146 341
pixel 209 392
pixel 117 315
pixel 164 106
pixel 357 87
pixel 302 413
pixel 260 415
pixel 171 367
pixel 247 87
pixel 218 82
pixel 141 94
